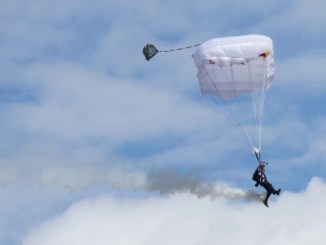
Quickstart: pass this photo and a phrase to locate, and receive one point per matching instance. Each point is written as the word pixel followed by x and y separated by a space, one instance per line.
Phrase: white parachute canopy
pixel 233 69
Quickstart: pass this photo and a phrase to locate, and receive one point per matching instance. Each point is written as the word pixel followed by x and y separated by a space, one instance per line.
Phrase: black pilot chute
pixel 149 51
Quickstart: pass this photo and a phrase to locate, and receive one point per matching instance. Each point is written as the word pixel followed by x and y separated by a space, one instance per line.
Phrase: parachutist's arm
pixel 262 177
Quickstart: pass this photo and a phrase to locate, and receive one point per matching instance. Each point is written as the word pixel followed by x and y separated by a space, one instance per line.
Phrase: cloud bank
pixel 293 219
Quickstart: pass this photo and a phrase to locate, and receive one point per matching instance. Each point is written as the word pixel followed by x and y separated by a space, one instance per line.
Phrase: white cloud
pixel 305 16
pixel 77 103
pixel 181 219
pixel 303 73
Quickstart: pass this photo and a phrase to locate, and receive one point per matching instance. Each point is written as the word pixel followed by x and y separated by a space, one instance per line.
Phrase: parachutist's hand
pixel 257 184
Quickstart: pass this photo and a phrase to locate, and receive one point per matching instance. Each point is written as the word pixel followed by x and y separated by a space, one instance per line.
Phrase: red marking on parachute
pixel 265 54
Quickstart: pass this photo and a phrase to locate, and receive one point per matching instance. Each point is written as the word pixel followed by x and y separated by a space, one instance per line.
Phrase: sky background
pixel 99 146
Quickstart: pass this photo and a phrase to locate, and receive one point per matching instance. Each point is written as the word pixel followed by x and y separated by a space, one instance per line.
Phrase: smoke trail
pixel 122 176
pixel 73 177
pixel 171 182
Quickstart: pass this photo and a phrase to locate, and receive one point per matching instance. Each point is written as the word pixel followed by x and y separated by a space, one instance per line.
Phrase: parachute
pixel 237 71
pixel 149 51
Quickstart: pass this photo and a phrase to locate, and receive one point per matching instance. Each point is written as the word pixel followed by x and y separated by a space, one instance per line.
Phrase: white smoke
pixel 172 181
pixel 74 177
pixel 123 176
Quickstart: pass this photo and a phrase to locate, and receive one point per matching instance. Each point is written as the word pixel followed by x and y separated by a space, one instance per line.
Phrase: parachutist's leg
pixel 270 190
pixel 265 185
pixel 269 187
pixel 266 199
pixel 278 191
pixel 267 196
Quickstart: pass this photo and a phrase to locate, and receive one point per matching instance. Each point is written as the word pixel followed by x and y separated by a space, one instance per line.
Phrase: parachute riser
pixel 257 153
pixel 258 157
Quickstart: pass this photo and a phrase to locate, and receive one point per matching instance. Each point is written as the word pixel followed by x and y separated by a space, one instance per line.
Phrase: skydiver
pixel 260 178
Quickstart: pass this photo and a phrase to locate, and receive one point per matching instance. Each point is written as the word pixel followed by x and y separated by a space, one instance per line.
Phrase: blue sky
pixel 100 146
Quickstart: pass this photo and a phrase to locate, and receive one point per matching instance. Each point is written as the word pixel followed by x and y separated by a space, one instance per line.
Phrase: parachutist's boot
pixel 266 199
pixel 278 191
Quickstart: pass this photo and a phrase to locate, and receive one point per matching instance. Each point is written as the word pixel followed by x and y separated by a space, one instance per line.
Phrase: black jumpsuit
pixel 260 177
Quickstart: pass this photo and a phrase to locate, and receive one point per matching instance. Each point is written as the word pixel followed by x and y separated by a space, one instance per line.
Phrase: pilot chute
pixel 149 50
